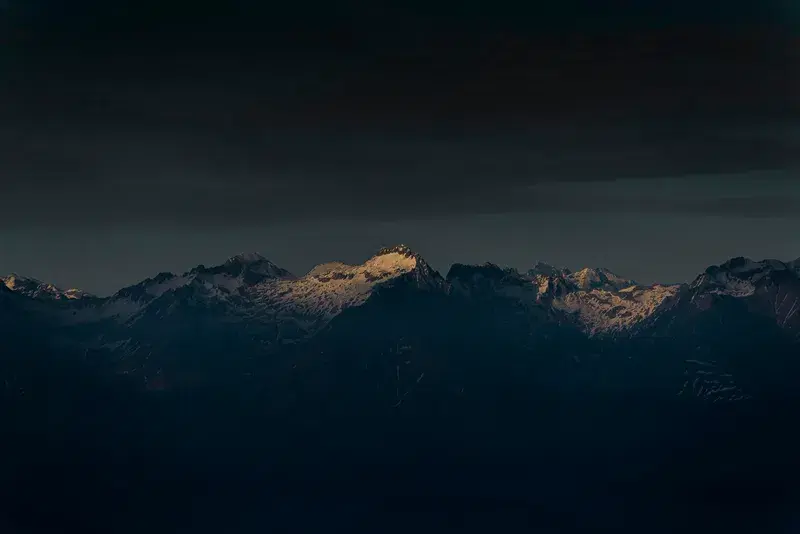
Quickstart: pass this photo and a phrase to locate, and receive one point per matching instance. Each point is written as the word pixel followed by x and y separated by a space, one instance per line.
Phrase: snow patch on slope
pixel 604 311
pixel 598 300
pixel 157 289
pixel 738 277
pixel 249 287
pixel 330 288
pixel 549 287
pixel 588 278
pixel 37 289
pixel 233 277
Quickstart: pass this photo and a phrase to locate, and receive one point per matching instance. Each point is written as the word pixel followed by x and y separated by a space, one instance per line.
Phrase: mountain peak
pixel 739 276
pixel 598 278
pixel 739 264
pixel 247 258
pixel 400 258
pixel 238 271
pixel 487 270
pixel 548 270
pixel 743 266
pixel 251 267
pixel 400 254
pixel 403 250
pixel 37 289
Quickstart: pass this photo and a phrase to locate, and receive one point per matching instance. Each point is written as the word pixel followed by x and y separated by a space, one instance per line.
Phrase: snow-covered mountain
pixel 596 300
pixel 607 310
pixel 330 288
pixel 587 279
pixel 250 288
pixel 37 289
pixel 769 288
pixel 390 341
pixel 225 282
pixel 388 357
pixel 234 276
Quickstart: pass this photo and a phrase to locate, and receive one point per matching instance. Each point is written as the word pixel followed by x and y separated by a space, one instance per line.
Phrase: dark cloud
pixel 243 113
pixel 93 175
pixel 771 195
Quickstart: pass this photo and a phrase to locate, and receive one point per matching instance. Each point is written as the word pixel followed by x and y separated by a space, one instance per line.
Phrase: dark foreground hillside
pixel 87 453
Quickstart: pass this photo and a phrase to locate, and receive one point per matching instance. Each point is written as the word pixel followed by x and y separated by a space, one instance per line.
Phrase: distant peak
pixel 34 288
pixel 252 266
pixel 595 270
pixel 741 276
pixel 404 250
pixel 740 263
pixel 484 270
pixel 11 277
pixel 744 266
pixel 547 269
pixel 598 278
pixel 405 260
pixel 247 258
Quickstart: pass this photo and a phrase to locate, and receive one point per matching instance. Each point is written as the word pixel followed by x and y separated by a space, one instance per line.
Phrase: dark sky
pixel 651 136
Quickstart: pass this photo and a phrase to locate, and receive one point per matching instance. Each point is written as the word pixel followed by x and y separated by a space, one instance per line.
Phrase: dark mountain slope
pixel 357 393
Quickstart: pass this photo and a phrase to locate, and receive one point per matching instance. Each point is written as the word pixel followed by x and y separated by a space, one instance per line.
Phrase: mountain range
pixel 246 365
pixel 262 310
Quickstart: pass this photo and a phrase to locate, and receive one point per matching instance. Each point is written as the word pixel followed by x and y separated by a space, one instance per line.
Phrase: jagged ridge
pixel 599 301
pixel 37 289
